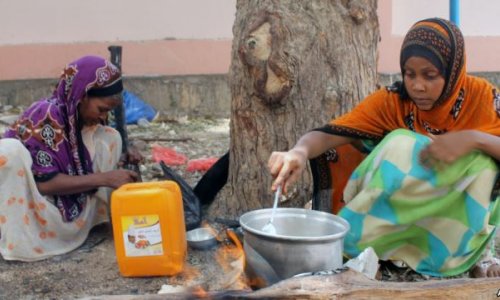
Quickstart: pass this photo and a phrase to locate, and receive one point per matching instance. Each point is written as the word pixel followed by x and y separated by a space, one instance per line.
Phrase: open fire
pixel 219 273
pixel 217 269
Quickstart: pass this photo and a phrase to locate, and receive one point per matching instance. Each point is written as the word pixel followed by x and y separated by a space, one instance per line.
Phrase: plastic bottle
pixel 148 228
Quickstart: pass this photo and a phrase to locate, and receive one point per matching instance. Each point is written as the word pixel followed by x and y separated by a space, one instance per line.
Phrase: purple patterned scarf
pixel 50 130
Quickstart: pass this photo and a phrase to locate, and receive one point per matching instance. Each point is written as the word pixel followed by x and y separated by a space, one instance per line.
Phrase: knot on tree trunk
pixel 358 14
pixel 356 10
pixel 267 63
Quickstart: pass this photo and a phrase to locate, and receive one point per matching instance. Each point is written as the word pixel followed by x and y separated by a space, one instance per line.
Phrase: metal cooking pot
pixel 305 241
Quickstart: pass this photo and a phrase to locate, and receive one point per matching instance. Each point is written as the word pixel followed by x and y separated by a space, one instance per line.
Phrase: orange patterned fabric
pixel 476 106
pixel 348 159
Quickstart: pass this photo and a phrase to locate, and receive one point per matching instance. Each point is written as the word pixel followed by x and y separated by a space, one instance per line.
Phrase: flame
pixel 199 292
pixel 234 238
pixel 257 282
pixel 189 274
pixel 249 282
pixel 225 273
pixel 231 259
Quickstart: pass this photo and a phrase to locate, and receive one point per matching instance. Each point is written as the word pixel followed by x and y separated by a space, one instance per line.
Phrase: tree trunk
pixel 295 65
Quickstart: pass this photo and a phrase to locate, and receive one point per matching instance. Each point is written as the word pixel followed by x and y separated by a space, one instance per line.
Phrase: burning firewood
pixel 349 285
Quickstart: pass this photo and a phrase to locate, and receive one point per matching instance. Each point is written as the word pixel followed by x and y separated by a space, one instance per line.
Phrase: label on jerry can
pixel 142 235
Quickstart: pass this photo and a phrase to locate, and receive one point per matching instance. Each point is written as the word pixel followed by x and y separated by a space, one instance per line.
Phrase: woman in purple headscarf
pixel 58 164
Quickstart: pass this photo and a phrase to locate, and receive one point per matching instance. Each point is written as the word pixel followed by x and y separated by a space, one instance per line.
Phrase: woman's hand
pixel 116 178
pixel 286 167
pixel 448 147
pixel 133 156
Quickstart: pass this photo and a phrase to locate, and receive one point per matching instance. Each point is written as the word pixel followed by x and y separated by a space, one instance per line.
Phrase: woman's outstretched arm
pixel 287 166
pixel 63 184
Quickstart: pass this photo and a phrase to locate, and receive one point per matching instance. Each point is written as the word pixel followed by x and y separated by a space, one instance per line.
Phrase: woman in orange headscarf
pixel 425 194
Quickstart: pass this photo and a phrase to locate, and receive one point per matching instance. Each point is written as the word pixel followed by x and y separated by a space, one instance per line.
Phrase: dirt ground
pixel 92 270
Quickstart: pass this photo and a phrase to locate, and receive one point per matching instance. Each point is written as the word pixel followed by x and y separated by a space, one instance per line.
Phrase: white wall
pixel 477 17
pixel 77 21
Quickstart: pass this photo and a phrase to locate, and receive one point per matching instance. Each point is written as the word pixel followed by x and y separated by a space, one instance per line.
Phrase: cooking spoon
pixel 269 227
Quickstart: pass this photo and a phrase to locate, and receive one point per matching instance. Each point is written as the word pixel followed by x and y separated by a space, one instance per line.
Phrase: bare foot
pixel 491 271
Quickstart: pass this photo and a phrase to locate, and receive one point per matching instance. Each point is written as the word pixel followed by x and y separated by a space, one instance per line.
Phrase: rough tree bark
pixel 295 65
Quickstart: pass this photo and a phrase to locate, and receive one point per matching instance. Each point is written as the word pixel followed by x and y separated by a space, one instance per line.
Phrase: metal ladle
pixel 269 227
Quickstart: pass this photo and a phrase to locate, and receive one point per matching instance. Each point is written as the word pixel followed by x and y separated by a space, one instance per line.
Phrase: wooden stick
pixel 354 285
pixel 348 285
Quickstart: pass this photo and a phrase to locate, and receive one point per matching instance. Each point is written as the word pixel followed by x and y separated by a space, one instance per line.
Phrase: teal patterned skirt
pixel 437 220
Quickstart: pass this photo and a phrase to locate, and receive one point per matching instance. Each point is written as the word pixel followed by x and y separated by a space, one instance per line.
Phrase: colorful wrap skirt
pixel 437 220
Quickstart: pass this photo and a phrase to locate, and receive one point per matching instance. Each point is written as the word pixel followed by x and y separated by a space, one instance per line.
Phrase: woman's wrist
pixel 99 179
pixel 301 150
pixel 479 140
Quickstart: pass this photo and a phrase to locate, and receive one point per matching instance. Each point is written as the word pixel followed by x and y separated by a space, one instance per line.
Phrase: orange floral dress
pixel 31 226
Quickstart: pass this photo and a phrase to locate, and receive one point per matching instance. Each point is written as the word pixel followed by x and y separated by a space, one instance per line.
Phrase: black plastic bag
pixel 213 181
pixel 191 203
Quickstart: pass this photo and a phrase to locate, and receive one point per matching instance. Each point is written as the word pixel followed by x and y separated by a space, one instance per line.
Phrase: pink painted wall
pixel 180 37
pixel 159 37
pixel 478 22
pixel 171 57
